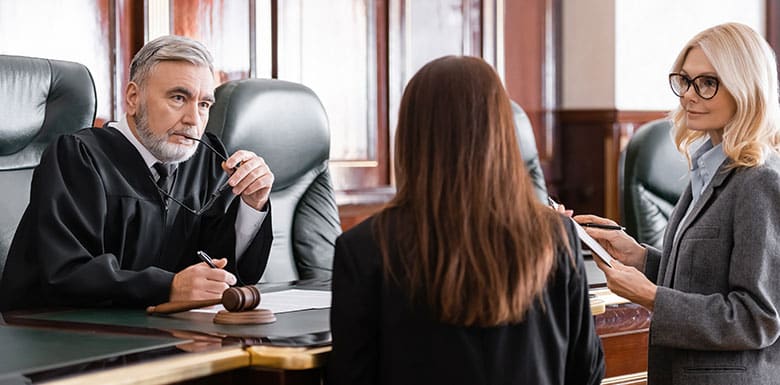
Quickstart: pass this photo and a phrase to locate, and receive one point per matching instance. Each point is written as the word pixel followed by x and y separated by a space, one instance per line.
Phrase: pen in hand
pixel 205 258
pixel 602 226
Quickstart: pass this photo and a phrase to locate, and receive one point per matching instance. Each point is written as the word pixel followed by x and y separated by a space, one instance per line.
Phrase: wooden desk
pixel 231 357
pixel 623 329
pixel 166 370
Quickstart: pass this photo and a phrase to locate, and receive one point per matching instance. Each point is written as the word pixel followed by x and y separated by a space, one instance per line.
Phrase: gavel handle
pixel 177 306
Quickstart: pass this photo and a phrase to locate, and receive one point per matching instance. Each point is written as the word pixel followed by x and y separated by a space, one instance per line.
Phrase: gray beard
pixel 158 145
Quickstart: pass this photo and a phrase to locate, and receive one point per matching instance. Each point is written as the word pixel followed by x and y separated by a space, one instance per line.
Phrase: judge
pixel 117 214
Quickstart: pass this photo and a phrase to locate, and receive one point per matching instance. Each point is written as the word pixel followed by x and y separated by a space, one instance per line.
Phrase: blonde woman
pixel 714 289
pixel 465 278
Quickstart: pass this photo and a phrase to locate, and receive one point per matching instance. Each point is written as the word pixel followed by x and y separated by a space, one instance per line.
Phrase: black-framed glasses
pixel 213 197
pixel 706 86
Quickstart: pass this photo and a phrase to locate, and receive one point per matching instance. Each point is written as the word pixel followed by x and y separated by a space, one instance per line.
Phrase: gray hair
pixel 168 48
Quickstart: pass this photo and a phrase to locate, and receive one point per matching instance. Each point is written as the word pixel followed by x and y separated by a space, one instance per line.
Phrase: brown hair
pixel 474 241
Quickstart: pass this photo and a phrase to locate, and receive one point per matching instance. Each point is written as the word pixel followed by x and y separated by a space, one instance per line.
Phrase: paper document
pixel 607 296
pixel 286 301
pixel 593 244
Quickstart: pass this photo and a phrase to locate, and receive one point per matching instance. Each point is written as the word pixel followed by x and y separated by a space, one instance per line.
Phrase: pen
pixel 205 258
pixel 552 203
pixel 600 226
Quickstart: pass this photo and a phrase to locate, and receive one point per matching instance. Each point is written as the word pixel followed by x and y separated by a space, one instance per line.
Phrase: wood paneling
pixel 624 335
pixel 74 31
pixel 355 206
pixel 531 46
pixel 129 38
pixel 223 26
pixel 590 142
pixel 773 23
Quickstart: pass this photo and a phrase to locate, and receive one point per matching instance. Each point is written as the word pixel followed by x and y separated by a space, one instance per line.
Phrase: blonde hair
pixel 746 67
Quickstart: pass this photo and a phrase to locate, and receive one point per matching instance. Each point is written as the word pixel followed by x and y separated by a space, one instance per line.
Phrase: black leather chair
pixel 527 142
pixel 652 176
pixel 286 124
pixel 41 99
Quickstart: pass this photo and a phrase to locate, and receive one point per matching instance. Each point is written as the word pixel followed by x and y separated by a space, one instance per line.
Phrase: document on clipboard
pixel 597 249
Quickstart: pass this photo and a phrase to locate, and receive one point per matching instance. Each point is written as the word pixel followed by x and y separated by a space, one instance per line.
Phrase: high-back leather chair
pixel 652 176
pixel 527 142
pixel 41 99
pixel 286 124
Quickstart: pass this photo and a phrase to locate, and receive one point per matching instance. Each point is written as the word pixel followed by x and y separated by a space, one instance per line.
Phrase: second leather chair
pixel 652 176
pixel 285 123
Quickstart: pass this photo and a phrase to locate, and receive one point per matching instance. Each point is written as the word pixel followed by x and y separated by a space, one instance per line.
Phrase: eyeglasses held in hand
pixel 706 86
pixel 213 197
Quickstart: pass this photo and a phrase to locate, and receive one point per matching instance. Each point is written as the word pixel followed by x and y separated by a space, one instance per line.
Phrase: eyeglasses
pixel 706 86
pixel 213 197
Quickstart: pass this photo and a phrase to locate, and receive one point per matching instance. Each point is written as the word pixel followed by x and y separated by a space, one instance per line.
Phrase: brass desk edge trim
pixel 288 358
pixel 632 378
pixel 164 371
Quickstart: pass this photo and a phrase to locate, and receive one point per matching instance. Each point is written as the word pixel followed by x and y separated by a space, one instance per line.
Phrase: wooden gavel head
pixel 234 299
pixel 241 298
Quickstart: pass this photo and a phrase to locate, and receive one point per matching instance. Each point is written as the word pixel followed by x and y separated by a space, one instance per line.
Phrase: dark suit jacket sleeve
pixel 585 361
pixel 354 317
pixel 65 228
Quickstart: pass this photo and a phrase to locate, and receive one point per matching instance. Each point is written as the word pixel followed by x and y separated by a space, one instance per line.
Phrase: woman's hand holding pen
pixel 625 278
pixel 200 281
pixel 619 244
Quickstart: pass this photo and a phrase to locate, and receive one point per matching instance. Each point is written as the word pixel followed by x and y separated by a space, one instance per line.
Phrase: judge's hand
pixel 629 283
pixel 200 281
pixel 619 244
pixel 252 180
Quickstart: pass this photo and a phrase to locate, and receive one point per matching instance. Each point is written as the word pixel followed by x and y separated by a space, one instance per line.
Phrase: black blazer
pixel 380 338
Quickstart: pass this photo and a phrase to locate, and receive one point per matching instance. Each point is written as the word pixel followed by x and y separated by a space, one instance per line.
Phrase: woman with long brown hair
pixel 464 277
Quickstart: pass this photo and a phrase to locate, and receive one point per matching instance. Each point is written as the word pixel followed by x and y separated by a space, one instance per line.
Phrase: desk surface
pixel 293 329
pixel 166 370
pixel 297 341
pixel 26 350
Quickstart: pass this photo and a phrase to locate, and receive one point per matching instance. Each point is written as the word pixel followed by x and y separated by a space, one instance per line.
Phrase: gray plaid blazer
pixel 717 310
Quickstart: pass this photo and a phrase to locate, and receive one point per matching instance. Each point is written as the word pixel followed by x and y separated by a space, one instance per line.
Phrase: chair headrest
pixel 525 134
pixel 655 162
pixel 41 99
pixel 283 122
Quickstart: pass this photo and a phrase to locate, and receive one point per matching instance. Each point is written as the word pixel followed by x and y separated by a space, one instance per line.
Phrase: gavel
pixel 234 299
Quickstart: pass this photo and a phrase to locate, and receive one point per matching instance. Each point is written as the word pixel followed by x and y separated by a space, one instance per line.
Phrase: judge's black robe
pixel 97 231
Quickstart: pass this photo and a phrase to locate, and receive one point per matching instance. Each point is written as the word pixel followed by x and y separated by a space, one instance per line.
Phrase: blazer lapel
pixel 671 228
pixel 706 196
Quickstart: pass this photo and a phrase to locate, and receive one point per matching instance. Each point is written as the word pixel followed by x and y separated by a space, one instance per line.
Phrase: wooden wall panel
pixel 73 31
pixel 773 23
pixel 590 143
pixel 128 31
pixel 527 61
pixel 224 26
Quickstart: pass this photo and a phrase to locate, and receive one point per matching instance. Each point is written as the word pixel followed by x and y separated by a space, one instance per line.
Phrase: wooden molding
pixel 165 371
pixel 288 358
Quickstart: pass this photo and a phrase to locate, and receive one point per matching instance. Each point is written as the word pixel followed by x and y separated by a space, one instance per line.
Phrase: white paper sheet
pixel 286 301
pixel 593 244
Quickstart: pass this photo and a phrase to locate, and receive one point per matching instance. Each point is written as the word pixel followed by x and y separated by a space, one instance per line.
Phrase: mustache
pixel 189 132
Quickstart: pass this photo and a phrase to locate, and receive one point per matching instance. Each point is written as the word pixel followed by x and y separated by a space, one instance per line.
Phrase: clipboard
pixel 594 246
